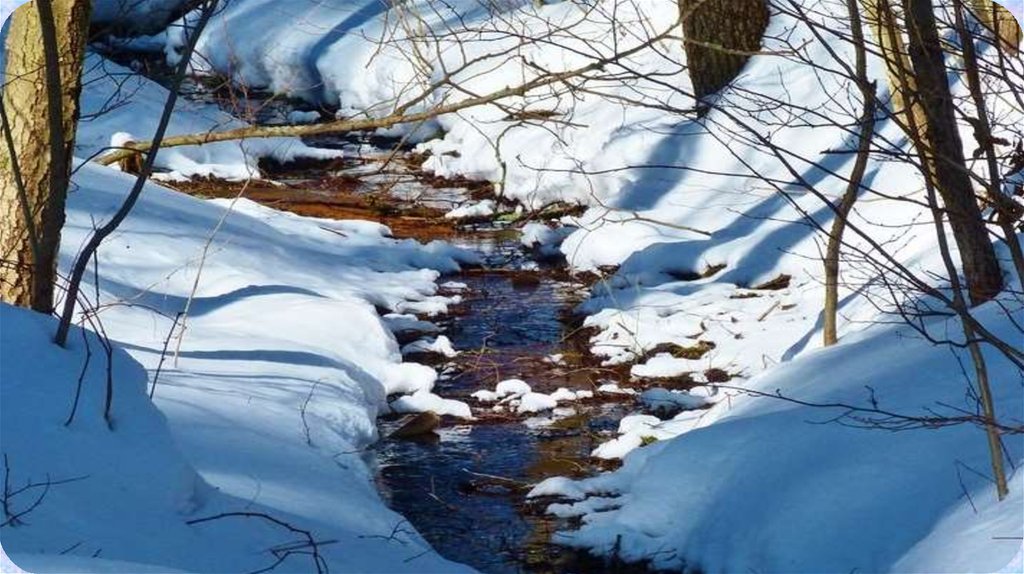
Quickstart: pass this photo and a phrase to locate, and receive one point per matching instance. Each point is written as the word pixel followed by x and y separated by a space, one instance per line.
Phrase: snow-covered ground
pixel 749 484
pixel 264 404
pixel 757 487
pixel 267 394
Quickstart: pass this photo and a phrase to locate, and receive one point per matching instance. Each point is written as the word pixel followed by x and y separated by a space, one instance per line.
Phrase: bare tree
pixel 932 123
pixel 845 206
pixel 39 113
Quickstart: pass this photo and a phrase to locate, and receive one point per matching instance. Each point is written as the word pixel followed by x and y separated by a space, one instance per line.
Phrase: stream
pixel 463 487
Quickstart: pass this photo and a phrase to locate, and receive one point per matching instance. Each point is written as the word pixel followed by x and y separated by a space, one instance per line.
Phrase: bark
pixel 942 152
pixel 1001 22
pixel 1007 211
pixel 867 131
pixel 720 36
pixel 42 81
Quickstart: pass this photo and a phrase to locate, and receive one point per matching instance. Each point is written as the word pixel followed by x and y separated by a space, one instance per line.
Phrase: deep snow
pixel 266 398
pixel 751 484
pixel 757 487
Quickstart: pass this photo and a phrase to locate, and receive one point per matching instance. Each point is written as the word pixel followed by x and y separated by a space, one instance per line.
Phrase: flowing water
pixel 464 489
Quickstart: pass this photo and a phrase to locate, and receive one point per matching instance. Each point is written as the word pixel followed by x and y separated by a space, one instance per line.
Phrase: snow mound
pixel 423 401
pixel 441 345
pixel 476 210
pixel 535 403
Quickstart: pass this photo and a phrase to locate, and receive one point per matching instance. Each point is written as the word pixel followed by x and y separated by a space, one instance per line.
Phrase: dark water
pixel 464 491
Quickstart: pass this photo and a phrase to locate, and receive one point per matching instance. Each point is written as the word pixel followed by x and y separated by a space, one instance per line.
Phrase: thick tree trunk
pixel 720 36
pixel 879 15
pixel 1001 22
pixel 1007 211
pixel 944 155
pixel 33 170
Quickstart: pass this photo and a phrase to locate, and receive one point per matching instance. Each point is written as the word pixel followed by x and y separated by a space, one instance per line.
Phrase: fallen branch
pixel 309 545
pixel 366 124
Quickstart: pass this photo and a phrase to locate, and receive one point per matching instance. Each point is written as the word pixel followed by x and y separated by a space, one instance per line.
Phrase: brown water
pixel 464 490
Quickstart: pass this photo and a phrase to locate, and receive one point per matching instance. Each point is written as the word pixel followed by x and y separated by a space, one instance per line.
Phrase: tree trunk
pixel 720 36
pixel 1001 22
pixel 944 155
pixel 830 331
pixel 38 142
pixel 1007 211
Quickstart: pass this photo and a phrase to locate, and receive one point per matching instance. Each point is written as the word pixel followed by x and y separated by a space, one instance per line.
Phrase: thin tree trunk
pixel 988 409
pixel 918 134
pixel 867 131
pixel 42 81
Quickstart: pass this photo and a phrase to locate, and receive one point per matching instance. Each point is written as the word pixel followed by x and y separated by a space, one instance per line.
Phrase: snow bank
pixel 766 490
pixel 270 394
pixel 119 105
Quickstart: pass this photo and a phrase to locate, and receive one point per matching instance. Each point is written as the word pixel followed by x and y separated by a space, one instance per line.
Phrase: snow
pixel 518 395
pixel 614 389
pixel 658 399
pixel 405 324
pixel 299 117
pixel 475 210
pixel 563 394
pixel 409 378
pixel 119 105
pixel 545 239
pixel 535 403
pixel 748 484
pixel 423 401
pixel 440 345
pixel 770 489
pixel 263 405
pixel 512 387
pixel 136 16
pixel 485 396
pixel 664 365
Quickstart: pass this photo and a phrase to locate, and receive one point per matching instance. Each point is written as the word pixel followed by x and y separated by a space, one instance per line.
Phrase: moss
pixel 648 440
pixel 693 352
